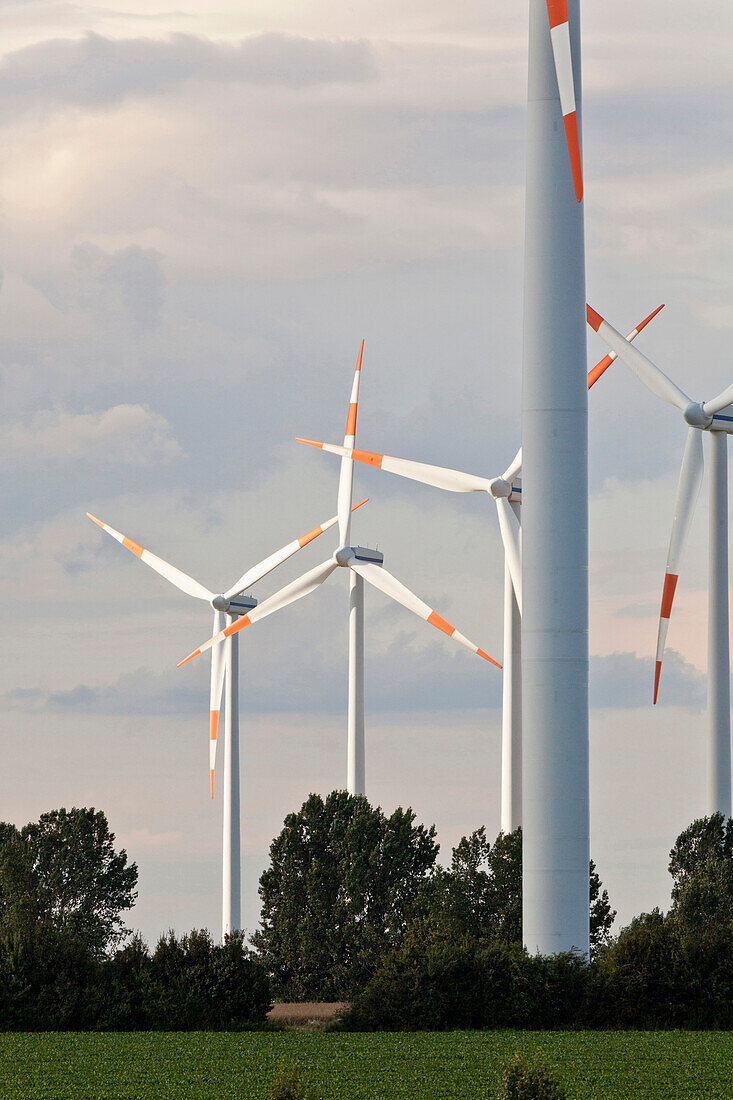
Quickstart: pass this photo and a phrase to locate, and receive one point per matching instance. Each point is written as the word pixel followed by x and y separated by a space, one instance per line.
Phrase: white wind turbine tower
pixel 555 767
pixel 708 416
pixel 363 565
pixel 224 669
pixel 507 495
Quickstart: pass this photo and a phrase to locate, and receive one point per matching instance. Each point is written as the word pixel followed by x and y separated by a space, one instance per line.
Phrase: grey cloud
pixel 125 287
pixel 625 680
pixel 95 71
pixel 434 680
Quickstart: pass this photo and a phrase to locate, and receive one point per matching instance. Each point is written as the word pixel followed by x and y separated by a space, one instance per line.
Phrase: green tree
pixel 336 897
pixel 74 878
pixel 602 915
pixel 701 865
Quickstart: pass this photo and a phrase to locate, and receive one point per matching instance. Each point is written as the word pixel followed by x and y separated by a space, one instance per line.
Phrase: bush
pixel 522 1081
pixel 287 1085
pixel 51 981
pixel 433 985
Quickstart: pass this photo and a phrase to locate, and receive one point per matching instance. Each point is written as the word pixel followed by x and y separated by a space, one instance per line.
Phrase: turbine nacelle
pixel 238 605
pixel 348 554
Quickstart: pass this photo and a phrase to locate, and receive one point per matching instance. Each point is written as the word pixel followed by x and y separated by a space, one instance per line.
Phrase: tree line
pixel 355 907
pixel 67 962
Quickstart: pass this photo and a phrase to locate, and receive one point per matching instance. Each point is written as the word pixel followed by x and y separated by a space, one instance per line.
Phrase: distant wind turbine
pixel 363 565
pixel 715 418
pixel 224 668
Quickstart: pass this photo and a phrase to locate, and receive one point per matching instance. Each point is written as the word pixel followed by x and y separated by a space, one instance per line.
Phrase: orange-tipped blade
pixel 605 363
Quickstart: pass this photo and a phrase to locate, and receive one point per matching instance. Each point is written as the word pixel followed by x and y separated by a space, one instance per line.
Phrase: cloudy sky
pixel 203 209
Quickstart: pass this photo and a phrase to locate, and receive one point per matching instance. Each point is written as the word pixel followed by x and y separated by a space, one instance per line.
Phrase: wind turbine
pixel 363 565
pixel 715 418
pixel 224 668
pixel 507 495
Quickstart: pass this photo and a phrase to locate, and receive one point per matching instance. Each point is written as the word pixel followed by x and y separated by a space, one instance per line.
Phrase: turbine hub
pixel 344 556
pixel 500 488
pixel 220 603
pixel 695 416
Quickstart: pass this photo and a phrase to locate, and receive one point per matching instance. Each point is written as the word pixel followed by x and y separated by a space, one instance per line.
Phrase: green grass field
pixel 594 1066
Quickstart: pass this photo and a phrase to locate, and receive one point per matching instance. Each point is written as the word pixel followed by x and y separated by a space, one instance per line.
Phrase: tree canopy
pixel 337 895
pixel 63 871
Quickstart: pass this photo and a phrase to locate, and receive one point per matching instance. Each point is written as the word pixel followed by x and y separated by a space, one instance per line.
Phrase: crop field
pixel 465 1065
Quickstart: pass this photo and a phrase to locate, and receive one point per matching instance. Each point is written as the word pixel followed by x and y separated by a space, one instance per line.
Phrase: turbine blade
pixel 287 595
pixel 718 403
pixel 605 363
pixel 557 11
pixel 439 476
pixel 511 538
pixel 514 468
pixel 217 688
pixel 650 375
pixel 346 474
pixel 378 576
pixel 688 489
pixel 257 572
pixel 175 576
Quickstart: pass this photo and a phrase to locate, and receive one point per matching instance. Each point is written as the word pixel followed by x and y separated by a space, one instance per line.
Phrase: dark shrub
pixel 288 1085
pixel 524 1081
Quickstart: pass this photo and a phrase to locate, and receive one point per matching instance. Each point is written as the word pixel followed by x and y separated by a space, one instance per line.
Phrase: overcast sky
pixel 202 212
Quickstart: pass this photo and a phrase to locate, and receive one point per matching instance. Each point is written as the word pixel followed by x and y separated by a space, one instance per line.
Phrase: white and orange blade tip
pixel 562 53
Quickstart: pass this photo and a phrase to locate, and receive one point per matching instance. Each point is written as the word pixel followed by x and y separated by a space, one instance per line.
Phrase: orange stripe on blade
pixel 310 442
pixel 435 620
pixel 212 782
pixel 361 353
pixel 190 657
pixel 130 545
pixel 594 319
pixel 305 539
pixel 557 11
pixel 651 317
pixel 95 520
pixel 657 674
pixel 487 658
pixel 599 369
pixel 213 724
pixel 368 458
pixel 351 420
pixel 571 134
pixel 239 625
pixel 670 584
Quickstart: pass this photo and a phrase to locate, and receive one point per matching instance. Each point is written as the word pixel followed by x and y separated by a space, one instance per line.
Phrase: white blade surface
pixel 510 536
pixel 257 572
pixel 688 490
pixel 346 474
pixel 513 468
pixel 452 480
pixel 650 375
pixel 718 403
pixel 175 576
pixel 287 595
pixel 378 576
pixel 217 688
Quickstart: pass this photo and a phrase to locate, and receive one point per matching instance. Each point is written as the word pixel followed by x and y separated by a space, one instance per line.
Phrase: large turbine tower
pixel 555 496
